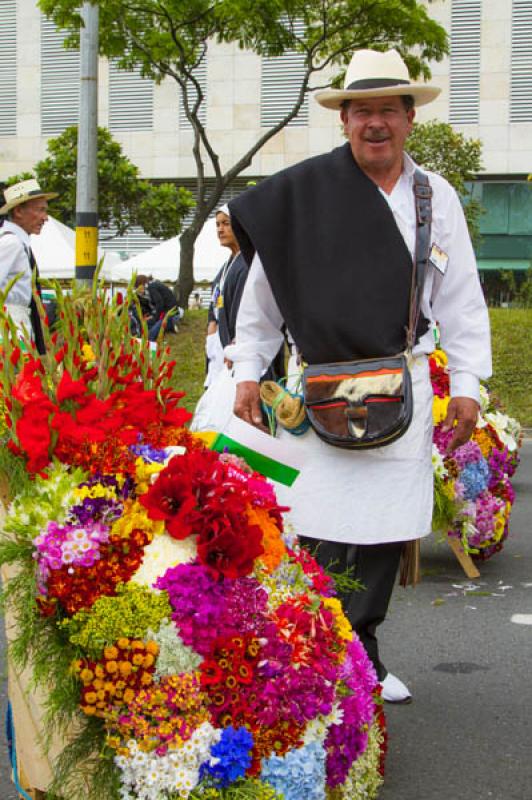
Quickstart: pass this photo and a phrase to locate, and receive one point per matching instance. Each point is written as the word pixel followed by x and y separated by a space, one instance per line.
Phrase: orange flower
pixel 274 548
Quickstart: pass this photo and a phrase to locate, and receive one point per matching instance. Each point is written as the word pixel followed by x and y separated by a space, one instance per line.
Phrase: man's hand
pixel 463 411
pixel 247 404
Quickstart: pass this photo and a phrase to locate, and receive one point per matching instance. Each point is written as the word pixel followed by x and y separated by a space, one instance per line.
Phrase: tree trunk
pixel 185 282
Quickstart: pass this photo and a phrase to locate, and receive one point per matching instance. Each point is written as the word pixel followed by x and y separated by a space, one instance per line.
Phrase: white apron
pixel 367 496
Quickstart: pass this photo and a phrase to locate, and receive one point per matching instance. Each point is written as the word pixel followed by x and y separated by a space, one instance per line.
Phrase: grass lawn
pixel 187 347
pixel 511 336
pixel 512 359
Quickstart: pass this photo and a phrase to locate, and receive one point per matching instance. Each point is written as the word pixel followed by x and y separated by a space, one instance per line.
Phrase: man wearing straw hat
pixel 331 244
pixel 27 208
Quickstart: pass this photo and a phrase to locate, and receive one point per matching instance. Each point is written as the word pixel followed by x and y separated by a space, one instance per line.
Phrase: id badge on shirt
pixel 438 258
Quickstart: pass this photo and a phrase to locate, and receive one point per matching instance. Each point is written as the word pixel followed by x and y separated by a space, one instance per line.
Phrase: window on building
pixel 507 207
pixel 521 62
pixel 60 71
pixel 200 74
pixel 135 241
pixel 464 94
pixel 8 68
pixel 130 100
pixel 280 82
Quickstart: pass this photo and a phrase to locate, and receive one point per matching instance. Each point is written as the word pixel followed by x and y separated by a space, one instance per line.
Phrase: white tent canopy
pixel 162 261
pixel 55 252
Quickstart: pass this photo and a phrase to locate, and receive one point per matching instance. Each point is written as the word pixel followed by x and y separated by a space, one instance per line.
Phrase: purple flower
pixel 149 453
pixel 467 453
pixel 198 601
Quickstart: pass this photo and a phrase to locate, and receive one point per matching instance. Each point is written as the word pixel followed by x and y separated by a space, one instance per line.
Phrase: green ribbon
pixel 258 462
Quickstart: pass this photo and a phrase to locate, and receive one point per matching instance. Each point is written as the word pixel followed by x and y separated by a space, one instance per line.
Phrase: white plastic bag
pixel 215 407
pixel 215 355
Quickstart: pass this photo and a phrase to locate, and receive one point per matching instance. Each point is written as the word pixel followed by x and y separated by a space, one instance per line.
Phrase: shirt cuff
pixel 247 371
pixel 464 384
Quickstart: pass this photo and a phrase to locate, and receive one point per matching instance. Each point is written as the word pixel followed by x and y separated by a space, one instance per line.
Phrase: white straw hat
pixel 22 192
pixel 375 74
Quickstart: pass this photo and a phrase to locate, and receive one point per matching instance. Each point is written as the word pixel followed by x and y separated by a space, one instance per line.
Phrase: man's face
pixel 225 231
pixel 31 215
pixel 377 129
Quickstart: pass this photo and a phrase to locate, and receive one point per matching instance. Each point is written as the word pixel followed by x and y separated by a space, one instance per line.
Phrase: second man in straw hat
pixel 26 205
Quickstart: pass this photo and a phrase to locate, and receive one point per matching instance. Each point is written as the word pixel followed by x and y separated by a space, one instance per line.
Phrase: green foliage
pixel 438 147
pixel 443 510
pixel 169 38
pixel 124 199
pixel 511 336
pixel 85 755
pixel 523 295
pixel 244 789
pixel 13 472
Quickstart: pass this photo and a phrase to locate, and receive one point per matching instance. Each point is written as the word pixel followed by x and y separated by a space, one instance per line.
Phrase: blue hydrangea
pixel 299 773
pixel 474 478
pixel 231 757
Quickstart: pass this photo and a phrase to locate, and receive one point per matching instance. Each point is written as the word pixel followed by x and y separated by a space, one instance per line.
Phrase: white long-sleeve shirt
pixel 14 260
pixel 454 299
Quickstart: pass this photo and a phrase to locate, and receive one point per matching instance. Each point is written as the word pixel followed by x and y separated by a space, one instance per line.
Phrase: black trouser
pixel 374 565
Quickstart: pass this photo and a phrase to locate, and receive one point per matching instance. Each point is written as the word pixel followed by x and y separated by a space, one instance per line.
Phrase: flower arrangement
pixel 473 492
pixel 190 648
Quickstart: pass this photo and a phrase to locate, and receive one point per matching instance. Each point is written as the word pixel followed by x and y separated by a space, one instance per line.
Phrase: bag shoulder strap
pixel 423 203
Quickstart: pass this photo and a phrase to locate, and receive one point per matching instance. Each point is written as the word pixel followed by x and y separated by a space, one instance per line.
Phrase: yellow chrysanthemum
pixel 341 623
pixel 484 441
pixel 135 517
pixel 439 409
pixel 87 353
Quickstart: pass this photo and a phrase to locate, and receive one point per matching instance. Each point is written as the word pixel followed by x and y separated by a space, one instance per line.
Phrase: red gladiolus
pixel 15 356
pixel 28 387
pixel 69 388
pixel 33 432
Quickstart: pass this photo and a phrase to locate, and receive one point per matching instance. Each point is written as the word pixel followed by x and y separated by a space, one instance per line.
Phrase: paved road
pixel 467 735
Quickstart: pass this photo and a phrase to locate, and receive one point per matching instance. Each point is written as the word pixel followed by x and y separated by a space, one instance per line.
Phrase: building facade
pixel 486 93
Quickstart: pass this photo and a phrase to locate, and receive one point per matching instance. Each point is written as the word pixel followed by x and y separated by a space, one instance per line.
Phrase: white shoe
pixel 394 690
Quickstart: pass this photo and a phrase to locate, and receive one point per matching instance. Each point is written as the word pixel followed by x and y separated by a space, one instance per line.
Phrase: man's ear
pixel 343 117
